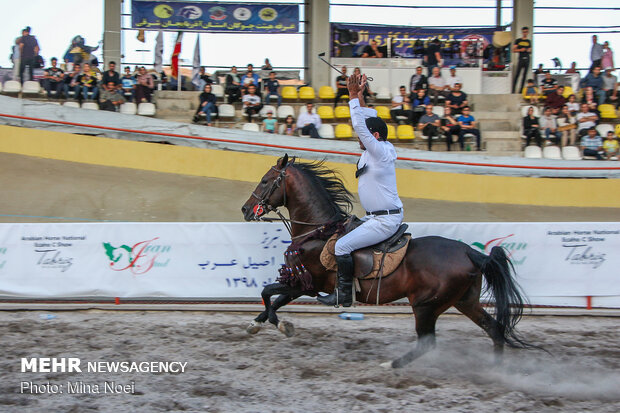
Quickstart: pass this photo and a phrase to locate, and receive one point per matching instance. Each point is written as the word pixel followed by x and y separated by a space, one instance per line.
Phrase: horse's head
pixel 270 192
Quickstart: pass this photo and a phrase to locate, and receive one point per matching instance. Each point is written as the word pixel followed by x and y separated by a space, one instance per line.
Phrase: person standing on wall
pixel 523 46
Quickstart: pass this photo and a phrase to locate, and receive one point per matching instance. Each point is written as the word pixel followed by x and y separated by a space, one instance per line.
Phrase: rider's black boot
pixel 342 294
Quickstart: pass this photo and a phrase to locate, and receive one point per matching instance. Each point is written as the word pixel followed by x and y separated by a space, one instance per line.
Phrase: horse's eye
pixel 263 182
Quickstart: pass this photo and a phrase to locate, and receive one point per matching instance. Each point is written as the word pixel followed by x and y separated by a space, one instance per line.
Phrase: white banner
pixel 229 260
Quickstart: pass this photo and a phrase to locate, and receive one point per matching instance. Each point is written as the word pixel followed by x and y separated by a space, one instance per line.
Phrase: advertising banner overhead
pixel 197 16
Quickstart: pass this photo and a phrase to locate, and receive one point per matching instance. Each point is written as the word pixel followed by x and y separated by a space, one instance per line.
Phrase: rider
pixel 376 188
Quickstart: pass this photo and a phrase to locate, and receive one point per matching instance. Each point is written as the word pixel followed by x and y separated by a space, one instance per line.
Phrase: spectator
pixel 468 126
pixel 207 105
pixel 549 126
pixel 267 65
pixel 111 75
pixel 523 46
pixel 28 52
pixel 610 146
pixel 450 127
pixel 429 125
pixel 567 126
pixel 418 81
pixel 585 120
pixel 341 85
pixel 432 57
pixel 573 68
pixel 53 79
pixel 419 103
pixel 203 78
pixel 596 53
pixel 270 123
pixel 72 82
pixel 589 99
pixel 272 86
pixel 250 78
pixel 144 86
pixel 456 100
pixel 372 50
pixel 610 85
pixel 233 85
pixel 592 144
pixel 15 58
pixel 548 84
pixel 111 98
pixel 573 105
pixel 128 84
pixel 289 125
pixel 594 80
pixel 531 92
pixel 531 127
pixel 607 59
pixel 251 102
pixel 555 100
pixel 88 82
pixel 401 106
pixel 539 71
pixel 453 79
pixel 309 122
pixel 436 86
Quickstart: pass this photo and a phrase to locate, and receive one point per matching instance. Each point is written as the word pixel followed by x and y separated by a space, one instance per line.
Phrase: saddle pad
pixel 391 262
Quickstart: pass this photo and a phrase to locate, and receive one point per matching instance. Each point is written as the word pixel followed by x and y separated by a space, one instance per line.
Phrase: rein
pixel 263 205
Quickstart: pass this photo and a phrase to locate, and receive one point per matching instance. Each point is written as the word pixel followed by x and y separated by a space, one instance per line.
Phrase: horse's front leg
pixel 269 291
pixel 286 327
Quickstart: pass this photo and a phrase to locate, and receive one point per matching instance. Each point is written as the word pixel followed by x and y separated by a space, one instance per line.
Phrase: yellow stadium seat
pixel 289 92
pixel 391 132
pixel 526 96
pixel 343 131
pixel 568 91
pixel 383 112
pixel 607 111
pixel 327 92
pixel 307 93
pixel 342 112
pixel 618 130
pixel 325 112
pixel 405 132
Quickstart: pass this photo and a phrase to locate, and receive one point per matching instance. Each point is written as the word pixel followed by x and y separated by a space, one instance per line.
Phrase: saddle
pixel 380 259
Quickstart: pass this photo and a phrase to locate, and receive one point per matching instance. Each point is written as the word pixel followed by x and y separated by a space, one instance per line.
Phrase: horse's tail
pixel 509 300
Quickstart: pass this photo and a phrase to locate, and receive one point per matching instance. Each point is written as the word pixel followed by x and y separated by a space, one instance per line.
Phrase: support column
pixel 112 32
pixel 317 41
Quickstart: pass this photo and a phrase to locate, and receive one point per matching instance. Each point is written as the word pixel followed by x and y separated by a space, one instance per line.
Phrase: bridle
pixel 263 207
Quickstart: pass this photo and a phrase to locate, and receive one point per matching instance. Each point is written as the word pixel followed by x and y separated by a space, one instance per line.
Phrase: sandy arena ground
pixel 231 371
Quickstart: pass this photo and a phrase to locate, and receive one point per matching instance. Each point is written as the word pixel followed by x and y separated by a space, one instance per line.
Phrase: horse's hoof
pixel 254 327
pixel 387 365
pixel 286 328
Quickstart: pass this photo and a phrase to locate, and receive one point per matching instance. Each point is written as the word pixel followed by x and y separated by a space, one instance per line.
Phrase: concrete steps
pixel 499 119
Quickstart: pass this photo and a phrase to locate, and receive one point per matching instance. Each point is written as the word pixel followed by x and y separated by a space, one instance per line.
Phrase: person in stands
pixel 233 85
pixel 206 106
pixel 468 125
pixel 252 102
pixel 309 123
pixel 531 127
pixel 53 79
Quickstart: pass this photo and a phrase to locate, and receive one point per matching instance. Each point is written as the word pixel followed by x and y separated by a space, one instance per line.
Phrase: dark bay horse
pixel 436 273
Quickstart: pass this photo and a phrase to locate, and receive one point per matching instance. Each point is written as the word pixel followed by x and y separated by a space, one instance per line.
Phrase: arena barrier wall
pixel 556 263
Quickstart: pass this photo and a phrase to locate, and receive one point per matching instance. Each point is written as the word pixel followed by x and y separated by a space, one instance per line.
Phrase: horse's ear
pixel 283 161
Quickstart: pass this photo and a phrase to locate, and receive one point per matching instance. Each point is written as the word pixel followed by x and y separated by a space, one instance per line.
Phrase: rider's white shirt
pixel 377 186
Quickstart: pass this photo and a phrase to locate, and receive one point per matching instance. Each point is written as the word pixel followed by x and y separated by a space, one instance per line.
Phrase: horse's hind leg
pixel 286 327
pixel 425 320
pixel 470 306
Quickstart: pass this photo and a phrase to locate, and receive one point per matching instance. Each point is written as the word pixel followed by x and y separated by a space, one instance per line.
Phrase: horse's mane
pixel 328 185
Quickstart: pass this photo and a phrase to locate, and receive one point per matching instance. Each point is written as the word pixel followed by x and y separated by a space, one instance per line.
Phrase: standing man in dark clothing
pixel 418 81
pixel 272 86
pixel 596 53
pixel 233 85
pixel 341 85
pixel 523 46
pixel 28 50
pixel 432 56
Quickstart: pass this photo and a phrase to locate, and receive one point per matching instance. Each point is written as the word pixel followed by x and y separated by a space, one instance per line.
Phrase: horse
pixel 435 274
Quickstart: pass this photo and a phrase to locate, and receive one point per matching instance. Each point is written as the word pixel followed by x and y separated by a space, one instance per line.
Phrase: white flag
pixel 159 52
pixel 196 64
